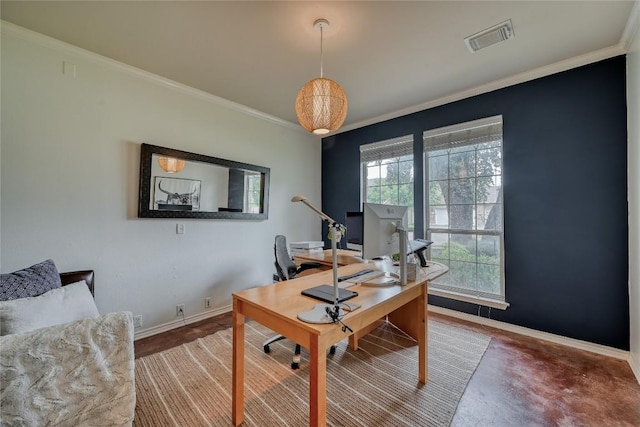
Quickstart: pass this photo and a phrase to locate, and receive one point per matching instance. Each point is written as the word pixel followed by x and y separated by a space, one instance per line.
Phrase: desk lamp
pixel 325 313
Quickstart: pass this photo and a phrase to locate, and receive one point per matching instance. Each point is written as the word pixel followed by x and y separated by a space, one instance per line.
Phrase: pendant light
pixel 321 104
pixel 171 164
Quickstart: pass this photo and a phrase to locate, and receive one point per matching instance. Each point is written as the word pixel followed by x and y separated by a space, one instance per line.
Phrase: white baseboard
pixel 634 362
pixel 144 333
pixel 558 339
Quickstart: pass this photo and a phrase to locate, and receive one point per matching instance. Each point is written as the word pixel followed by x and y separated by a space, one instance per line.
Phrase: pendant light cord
pixel 321 50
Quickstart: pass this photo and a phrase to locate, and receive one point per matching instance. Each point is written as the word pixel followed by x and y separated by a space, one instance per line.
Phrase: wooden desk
pixel 276 306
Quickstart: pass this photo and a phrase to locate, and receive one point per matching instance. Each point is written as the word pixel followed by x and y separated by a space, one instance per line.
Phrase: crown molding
pixel 632 27
pixel 526 76
pixel 621 48
pixel 9 29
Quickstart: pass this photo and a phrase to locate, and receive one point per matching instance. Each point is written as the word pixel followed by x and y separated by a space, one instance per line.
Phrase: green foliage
pixel 342 231
pixel 466 270
pixel 435 194
pixel 396 188
pixel 460 177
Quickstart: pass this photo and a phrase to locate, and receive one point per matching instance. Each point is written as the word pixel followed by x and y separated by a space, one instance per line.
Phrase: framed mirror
pixel 179 184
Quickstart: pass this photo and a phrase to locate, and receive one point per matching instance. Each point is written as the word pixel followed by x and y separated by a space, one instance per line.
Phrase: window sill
pixel 487 302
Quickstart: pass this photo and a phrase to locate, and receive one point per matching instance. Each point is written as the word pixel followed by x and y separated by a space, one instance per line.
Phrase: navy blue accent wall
pixel 565 196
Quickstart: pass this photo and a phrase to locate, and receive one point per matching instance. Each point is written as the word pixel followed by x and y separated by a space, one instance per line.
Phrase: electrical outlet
pixel 180 310
pixel 137 321
pixel 207 303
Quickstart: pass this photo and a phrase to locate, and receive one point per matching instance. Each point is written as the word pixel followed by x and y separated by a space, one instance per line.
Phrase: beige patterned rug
pixel 190 385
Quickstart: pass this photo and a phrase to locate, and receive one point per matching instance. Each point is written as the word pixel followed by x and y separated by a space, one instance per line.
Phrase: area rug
pixel 377 385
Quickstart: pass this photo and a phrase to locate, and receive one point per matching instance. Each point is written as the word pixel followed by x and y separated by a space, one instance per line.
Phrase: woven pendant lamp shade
pixel 321 106
pixel 171 164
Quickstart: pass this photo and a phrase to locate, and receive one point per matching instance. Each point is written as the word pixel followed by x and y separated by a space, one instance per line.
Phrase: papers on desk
pixel 298 251
pixel 305 247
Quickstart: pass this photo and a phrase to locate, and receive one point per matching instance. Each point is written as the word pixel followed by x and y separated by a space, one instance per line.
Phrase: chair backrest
pixel 285 266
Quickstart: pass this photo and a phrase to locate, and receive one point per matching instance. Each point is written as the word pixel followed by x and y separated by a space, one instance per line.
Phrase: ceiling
pixel 390 57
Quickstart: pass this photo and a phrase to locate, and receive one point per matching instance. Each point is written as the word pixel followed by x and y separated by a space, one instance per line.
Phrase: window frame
pixel 250 181
pixel 458 293
pixel 388 149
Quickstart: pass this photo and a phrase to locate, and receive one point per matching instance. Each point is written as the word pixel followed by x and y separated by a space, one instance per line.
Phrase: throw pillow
pixel 63 305
pixel 29 282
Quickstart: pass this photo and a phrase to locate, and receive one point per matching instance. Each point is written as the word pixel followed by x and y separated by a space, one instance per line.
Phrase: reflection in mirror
pixel 171 164
pixel 178 184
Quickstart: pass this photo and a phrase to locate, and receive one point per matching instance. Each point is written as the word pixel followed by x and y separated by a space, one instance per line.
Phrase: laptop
pixel 325 293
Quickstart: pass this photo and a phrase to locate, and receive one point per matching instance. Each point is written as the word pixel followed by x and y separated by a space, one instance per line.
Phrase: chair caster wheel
pixel 267 349
pixel 295 365
pixel 332 350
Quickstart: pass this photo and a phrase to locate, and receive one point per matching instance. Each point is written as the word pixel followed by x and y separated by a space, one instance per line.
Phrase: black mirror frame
pixel 146 154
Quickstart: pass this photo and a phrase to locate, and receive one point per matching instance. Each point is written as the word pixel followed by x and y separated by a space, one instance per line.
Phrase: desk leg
pixel 317 384
pixel 423 336
pixel 412 320
pixel 237 393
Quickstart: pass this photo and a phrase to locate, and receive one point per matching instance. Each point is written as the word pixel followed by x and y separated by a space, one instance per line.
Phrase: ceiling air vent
pixel 490 36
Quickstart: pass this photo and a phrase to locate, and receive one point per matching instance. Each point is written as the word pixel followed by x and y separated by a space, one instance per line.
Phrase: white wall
pixel 70 171
pixel 633 125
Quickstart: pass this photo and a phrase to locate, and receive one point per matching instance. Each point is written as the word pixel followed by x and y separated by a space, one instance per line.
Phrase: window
pixel 387 173
pixel 252 192
pixel 463 174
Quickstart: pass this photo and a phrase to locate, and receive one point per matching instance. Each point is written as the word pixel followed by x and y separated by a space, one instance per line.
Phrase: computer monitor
pixel 354 223
pixel 380 231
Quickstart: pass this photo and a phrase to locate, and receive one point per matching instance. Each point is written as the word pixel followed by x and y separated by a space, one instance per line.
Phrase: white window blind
pixel 476 132
pixel 387 149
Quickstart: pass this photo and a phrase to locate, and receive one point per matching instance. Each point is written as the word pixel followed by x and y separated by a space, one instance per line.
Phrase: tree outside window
pixel 388 174
pixel 464 185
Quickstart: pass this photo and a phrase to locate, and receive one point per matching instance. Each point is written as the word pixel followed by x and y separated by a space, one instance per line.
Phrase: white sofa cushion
pixel 62 305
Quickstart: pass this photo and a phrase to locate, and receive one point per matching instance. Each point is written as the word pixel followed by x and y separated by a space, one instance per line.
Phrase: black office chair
pixel 285 266
pixel 287 269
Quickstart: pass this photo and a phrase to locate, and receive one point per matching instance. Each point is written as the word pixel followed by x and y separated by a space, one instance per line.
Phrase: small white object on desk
pixel 307 245
pixel 389 279
pixel 296 248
